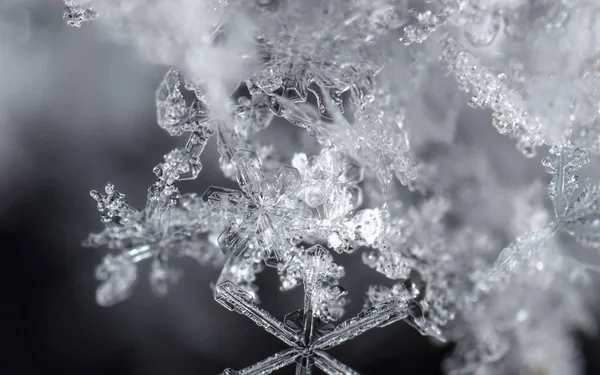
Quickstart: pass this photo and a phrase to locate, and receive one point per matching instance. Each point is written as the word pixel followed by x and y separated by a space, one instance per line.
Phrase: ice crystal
pixel 140 235
pixel 171 110
pixel 265 216
pixel 372 139
pixel 429 20
pixel 306 330
pixel 157 232
pixel 576 211
pixel 383 162
pixel 74 14
pixel 332 52
pixel 491 90
pixel 330 179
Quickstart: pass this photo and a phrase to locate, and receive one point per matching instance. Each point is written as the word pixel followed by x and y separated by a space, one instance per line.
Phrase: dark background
pixel 77 111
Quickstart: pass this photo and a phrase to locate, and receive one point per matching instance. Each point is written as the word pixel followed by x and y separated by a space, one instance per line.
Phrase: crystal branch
pixel 490 90
pixel 380 315
pixel 332 366
pixel 236 299
pixel 267 366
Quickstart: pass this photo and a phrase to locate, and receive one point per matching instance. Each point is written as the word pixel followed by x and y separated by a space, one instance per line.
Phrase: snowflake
pixel 265 215
pixel 139 237
pixel 576 212
pixel 361 84
pixel 303 331
pixel 157 232
pixel 307 51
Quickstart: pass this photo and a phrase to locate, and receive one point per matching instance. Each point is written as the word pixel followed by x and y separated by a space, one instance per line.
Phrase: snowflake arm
pixel 379 315
pixel 562 163
pixel 138 237
pixel 236 299
pixel 429 21
pixel 113 207
pixel 250 176
pixel 303 330
pixel 512 258
pixel 268 365
pixel 583 223
pixel 223 199
pixel 172 113
pixel 180 164
pixel 423 316
pixel 577 210
pixel 332 366
pixel 324 297
pixel 509 108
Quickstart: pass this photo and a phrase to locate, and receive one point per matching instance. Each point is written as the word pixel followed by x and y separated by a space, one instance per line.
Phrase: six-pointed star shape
pixel 306 335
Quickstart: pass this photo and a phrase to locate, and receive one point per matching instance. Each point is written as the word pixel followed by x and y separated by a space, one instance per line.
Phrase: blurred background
pixel 76 111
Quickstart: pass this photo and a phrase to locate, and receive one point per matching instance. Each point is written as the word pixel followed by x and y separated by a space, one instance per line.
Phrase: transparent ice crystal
pixel 491 90
pixel 306 330
pixel 576 211
pixel 330 179
pixel 172 112
pixel 385 162
pixel 265 215
pixel 137 236
pixel 373 139
pixel 330 52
